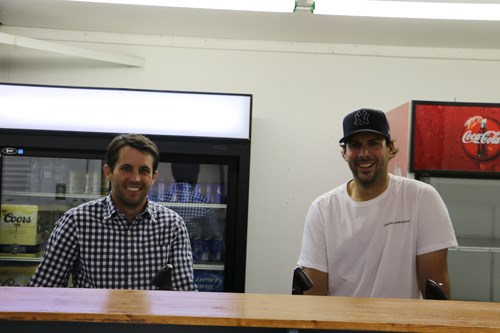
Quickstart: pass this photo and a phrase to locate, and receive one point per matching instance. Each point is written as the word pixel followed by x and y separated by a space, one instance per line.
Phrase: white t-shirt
pixel 369 248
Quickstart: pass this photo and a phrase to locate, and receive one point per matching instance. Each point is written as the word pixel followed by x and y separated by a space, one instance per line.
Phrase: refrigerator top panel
pixel 455 138
pixel 108 110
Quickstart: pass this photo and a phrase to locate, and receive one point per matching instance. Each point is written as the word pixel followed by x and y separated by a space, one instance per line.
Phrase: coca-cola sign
pixel 455 137
pixel 481 138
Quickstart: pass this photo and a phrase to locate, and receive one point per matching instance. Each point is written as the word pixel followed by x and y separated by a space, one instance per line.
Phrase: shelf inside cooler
pixel 35 259
pixel 208 266
pixel 51 195
pixel 198 205
pixel 478 244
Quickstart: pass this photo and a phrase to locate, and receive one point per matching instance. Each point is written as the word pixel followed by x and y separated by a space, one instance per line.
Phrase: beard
pixel 371 178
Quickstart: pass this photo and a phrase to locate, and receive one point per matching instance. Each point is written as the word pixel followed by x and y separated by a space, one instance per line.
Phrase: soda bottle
pixel 35 175
pixel 47 178
pixel 60 176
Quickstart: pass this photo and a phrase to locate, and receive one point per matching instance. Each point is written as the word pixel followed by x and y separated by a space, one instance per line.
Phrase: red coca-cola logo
pixel 456 138
pixel 481 138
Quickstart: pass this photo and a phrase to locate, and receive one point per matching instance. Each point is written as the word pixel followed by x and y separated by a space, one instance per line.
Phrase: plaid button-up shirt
pixel 96 246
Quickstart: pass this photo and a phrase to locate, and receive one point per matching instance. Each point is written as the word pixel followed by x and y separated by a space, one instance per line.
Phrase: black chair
pixel 163 278
pixel 301 281
pixel 433 290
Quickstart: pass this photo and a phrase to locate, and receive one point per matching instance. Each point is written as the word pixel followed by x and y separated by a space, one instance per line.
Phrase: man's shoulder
pixel 407 181
pixel 157 209
pixel 410 184
pixel 99 203
pixel 333 194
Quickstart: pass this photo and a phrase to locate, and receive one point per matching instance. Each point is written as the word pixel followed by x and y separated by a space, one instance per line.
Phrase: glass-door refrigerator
pixel 455 147
pixel 53 140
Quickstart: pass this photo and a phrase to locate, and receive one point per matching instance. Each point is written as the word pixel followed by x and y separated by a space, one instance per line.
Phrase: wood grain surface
pixel 246 310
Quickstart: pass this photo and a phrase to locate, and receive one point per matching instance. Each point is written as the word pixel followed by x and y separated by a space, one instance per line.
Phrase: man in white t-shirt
pixel 378 235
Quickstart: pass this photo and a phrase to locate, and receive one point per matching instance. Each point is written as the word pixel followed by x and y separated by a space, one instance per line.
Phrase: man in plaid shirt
pixel 122 240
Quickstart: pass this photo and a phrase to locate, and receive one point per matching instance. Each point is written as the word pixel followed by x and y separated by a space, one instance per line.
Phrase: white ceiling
pixel 296 27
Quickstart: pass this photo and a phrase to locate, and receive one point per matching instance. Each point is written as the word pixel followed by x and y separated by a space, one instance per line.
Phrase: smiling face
pixel 368 154
pixel 131 179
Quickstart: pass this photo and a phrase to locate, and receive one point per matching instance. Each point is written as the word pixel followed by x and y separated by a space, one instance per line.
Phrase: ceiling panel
pixel 296 27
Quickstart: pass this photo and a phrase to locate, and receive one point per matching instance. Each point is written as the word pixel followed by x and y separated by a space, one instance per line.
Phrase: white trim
pixel 36 44
pixel 259 45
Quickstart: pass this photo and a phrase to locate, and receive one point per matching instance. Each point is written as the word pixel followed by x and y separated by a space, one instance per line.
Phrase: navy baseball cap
pixel 365 120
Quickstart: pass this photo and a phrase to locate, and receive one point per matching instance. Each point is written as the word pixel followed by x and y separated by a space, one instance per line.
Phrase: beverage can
pixel 95 182
pixel 215 193
pixel 217 249
pixel 47 176
pixel 35 175
pixel 197 249
pixel 205 249
pixel 198 189
pixel 210 193
pixel 160 188
pixel 75 182
pixel 219 194
pixel 60 171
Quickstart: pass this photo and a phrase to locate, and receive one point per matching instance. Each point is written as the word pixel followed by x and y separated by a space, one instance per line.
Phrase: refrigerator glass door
pixel 474 207
pixel 35 191
pixel 197 192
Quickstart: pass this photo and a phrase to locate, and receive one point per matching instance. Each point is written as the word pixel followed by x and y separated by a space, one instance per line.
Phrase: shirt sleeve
pixel 58 258
pixel 435 230
pixel 313 251
pixel 182 260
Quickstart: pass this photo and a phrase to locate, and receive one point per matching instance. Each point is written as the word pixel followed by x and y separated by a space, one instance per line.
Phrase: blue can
pixel 217 249
pixel 205 249
pixel 160 188
pixel 215 193
pixel 198 189
pixel 197 249
pixel 219 194
pixel 210 193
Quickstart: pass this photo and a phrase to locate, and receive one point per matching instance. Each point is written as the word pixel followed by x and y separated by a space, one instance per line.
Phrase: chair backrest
pixel 163 278
pixel 301 281
pixel 433 290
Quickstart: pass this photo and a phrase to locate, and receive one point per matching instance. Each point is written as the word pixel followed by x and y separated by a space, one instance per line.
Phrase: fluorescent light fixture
pixel 125 111
pixel 284 6
pixel 410 9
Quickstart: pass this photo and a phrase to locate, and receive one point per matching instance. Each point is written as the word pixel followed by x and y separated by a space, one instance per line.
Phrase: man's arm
pixel 433 265
pixel 320 282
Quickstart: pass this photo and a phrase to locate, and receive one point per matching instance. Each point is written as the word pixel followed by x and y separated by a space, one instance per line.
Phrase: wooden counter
pixel 49 306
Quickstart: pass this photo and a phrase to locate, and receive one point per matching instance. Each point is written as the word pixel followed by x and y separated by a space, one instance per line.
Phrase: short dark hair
pixel 185 173
pixel 137 141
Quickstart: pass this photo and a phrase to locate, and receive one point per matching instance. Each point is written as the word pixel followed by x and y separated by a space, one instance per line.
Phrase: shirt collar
pixel 110 208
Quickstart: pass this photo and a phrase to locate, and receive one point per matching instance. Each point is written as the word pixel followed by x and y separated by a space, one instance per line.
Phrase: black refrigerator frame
pixel 234 152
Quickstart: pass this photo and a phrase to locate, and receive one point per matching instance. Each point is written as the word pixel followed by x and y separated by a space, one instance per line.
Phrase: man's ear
pixel 392 149
pixel 107 171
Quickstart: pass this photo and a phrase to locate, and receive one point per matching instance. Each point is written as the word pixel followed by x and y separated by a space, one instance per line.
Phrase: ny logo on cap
pixel 361 118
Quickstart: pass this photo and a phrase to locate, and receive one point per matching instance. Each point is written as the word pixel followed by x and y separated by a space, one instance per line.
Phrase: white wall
pixel 299 102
